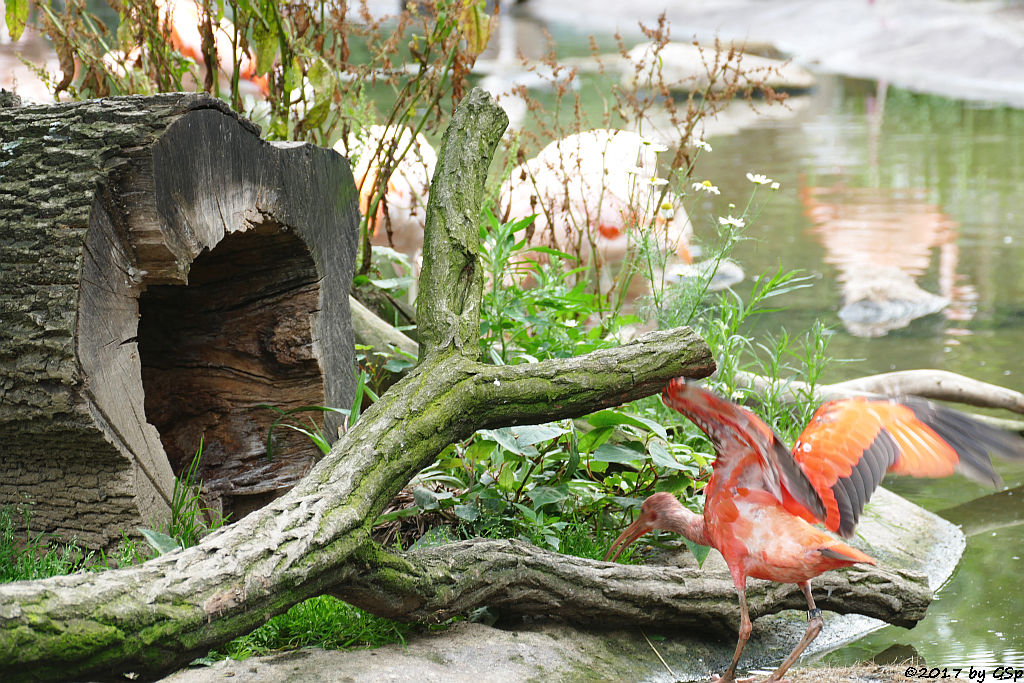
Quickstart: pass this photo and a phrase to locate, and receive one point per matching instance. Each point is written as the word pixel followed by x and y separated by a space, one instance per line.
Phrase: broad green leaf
pixel 612 417
pixel 699 457
pixel 611 452
pixel 677 481
pixel 543 495
pixel 393 282
pixel 469 513
pixel 626 502
pixel 319 76
pixel 530 514
pixel 16 16
pixel 425 498
pixel 520 440
pixel 397 514
pixel 700 552
pixel 507 479
pixel 661 456
pixel 397 365
pixel 479 449
pixel 161 542
pixel 506 441
pixel 594 438
pixel 527 435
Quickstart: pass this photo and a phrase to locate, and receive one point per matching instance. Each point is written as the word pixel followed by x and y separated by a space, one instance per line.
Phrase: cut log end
pixel 180 273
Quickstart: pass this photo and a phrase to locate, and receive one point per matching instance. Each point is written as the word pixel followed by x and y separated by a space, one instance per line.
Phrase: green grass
pixel 27 558
pixel 25 555
pixel 322 621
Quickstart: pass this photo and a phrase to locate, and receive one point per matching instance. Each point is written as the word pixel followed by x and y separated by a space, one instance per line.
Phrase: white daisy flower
pixel 706 186
pixel 655 147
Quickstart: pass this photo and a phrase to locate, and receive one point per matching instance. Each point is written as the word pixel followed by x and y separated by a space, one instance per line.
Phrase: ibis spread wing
pixel 850 444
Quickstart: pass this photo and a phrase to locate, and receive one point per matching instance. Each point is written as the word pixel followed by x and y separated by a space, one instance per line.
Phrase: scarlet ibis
pixel 762 499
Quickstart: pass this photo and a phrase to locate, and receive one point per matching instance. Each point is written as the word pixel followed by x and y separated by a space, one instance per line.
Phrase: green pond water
pixel 934 186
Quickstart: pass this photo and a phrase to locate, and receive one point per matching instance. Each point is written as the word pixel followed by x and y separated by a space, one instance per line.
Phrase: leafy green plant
pixel 535 310
pixel 309 428
pixel 546 482
pixel 539 481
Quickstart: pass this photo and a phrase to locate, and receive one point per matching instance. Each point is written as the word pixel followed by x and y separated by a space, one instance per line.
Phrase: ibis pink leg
pixel 813 629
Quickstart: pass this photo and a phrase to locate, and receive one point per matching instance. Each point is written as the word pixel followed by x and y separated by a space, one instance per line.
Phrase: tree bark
pixel 434 584
pixel 163 271
pixel 316 539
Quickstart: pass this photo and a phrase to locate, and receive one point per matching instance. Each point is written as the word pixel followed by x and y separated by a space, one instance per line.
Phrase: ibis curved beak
pixel 634 531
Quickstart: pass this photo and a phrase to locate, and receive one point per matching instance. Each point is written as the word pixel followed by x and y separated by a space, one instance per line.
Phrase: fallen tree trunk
pixel 434 584
pixel 316 539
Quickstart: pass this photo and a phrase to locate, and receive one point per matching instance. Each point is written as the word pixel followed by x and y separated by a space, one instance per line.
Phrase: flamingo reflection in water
pixel 881 241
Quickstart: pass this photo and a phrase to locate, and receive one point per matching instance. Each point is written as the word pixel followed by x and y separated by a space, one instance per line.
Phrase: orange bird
pixel 762 499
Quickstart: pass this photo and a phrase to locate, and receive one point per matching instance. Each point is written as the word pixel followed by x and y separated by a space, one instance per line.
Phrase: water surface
pixel 873 176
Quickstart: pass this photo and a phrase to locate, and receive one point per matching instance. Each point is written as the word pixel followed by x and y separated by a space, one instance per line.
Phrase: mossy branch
pixel 434 584
pixel 448 306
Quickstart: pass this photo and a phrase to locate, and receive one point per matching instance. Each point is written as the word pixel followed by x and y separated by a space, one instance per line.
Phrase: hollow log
pixel 315 539
pixel 163 272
